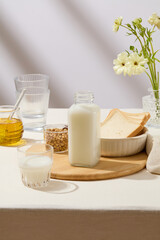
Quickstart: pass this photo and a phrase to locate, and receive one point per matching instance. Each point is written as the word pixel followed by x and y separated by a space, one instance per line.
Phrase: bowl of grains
pixel 56 135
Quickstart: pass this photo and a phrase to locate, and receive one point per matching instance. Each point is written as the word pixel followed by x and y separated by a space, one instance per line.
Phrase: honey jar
pixel 11 130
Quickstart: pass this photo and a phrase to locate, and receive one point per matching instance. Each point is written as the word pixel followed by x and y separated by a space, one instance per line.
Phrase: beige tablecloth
pixel 126 208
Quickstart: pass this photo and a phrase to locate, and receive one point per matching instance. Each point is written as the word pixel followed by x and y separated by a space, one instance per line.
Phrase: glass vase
pixel 151 104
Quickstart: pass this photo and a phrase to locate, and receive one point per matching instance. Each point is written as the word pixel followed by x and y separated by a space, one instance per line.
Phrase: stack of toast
pixel 120 124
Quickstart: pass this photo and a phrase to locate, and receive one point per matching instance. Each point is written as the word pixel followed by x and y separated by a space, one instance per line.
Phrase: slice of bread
pixel 144 115
pixel 118 125
pixel 139 117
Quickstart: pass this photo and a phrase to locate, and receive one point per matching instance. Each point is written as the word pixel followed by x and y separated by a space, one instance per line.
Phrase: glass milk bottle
pixel 84 131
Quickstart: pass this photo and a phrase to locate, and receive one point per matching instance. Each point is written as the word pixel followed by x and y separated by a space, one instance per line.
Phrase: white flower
pixel 154 20
pixel 136 64
pixel 117 23
pixel 121 63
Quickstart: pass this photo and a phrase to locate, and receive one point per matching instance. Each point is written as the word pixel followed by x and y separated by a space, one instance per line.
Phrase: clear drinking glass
pixel 34 104
pixel 35 163
pixel 30 81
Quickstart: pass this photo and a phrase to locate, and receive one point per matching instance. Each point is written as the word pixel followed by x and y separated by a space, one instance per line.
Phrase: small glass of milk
pixel 35 163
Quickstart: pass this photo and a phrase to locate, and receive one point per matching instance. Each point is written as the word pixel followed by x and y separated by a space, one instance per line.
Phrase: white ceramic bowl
pixel 120 147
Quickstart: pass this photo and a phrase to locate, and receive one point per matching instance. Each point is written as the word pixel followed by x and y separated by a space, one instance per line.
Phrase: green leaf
pixel 157 60
pixel 131 48
pixel 142 31
pixel 134 26
pixel 128 34
pixel 127 52
pixel 136 50
pixel 128 25
pixel 156 52
pixel 148 32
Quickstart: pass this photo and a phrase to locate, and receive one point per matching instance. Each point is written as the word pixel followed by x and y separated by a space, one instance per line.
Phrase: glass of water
pixel 34 104
pixel 31 80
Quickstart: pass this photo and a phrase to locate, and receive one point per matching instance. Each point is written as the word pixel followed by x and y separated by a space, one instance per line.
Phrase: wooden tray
pixel 106 168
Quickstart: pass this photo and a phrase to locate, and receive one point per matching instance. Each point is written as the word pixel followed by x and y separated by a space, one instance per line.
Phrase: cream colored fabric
pixel 153 151
pixel 126 208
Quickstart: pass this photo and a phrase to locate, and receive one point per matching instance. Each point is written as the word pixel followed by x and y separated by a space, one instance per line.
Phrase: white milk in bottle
pixel 84 131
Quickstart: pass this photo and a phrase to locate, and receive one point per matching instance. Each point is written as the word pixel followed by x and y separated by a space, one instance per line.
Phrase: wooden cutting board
pixel 106 168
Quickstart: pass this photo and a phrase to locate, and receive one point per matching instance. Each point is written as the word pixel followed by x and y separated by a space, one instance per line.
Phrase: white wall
pixel 71 41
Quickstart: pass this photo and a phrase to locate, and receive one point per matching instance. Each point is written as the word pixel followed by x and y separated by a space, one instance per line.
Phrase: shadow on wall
pixel 26 63
pixel 15 48
pixel 57 97
pixel 105 47
pixel 89 27
pixel 2 96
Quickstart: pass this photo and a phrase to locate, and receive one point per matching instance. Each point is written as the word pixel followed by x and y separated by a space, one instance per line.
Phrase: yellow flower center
pixel 135 63
pixel 123 64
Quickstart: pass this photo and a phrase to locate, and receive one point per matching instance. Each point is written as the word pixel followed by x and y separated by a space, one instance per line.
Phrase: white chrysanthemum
pixel 136 64
pixel 117 23
pixel 154 20
pixel 121 63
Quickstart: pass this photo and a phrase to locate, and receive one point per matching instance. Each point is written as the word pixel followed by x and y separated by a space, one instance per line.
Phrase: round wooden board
pixel 106 168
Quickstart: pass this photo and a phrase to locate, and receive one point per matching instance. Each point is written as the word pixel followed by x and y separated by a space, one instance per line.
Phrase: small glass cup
pixel 31 81
pixel 11 130
pixel 34 104
pixel 35 163
pixel 56 135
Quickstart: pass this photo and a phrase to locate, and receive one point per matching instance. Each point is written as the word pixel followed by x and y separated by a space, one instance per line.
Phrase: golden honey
pixel 10 131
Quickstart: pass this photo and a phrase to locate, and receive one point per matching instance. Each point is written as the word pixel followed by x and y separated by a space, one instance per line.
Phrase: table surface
pixel 140 191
